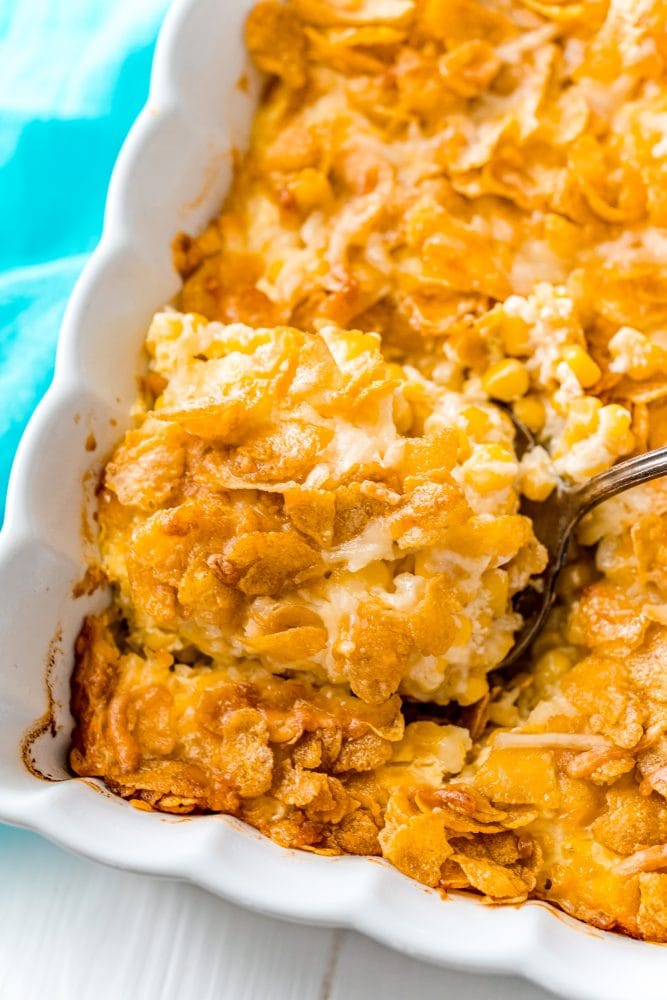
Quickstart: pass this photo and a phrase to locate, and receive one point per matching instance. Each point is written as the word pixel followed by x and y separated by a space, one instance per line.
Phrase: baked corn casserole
pixel 452 213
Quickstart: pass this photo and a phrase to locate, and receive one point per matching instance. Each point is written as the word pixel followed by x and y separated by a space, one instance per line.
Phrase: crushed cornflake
pixel 452 213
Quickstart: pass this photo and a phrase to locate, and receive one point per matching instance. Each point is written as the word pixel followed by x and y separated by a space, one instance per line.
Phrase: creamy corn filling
pixel 451 213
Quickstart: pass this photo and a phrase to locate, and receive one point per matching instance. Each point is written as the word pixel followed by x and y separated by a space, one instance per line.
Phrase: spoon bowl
pixel 554 521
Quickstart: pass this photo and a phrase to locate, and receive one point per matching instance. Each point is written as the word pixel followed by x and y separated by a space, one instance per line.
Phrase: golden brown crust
pixel 189 739
pixel 313 531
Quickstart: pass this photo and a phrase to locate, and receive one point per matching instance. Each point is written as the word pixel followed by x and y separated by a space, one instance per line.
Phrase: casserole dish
pixel 171 176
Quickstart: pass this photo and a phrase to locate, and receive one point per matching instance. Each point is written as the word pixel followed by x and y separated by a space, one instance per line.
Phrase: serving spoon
pixel 554 521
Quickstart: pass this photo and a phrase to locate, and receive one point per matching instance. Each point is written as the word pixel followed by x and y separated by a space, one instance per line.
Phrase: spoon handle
pixel 633 471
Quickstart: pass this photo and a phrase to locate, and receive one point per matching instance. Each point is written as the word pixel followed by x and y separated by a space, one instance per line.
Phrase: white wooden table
pixel 74 930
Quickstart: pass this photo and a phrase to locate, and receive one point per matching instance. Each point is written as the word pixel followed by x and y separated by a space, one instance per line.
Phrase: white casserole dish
pixel 172 175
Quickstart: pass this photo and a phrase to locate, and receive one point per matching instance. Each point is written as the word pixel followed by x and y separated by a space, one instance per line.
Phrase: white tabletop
pixel 74 930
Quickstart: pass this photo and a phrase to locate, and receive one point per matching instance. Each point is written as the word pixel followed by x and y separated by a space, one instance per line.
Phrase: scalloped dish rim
pixel 38 565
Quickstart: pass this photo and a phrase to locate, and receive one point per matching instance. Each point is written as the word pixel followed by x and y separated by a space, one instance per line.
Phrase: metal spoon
pixel 554 521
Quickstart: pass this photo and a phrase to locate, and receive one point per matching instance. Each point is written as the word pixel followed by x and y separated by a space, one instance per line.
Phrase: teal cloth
pixel 73 76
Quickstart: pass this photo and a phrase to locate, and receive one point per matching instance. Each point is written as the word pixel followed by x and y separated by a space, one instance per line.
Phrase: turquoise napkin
pixel 73 76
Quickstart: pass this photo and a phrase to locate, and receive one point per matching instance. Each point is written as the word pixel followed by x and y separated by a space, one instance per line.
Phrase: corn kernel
pixel 199 320
pixel 396 371
pixel 536 487
pixel 464 447
pixel 274 269
pixel 515 335
pixel 496 584
pixel 463 632
pixel 164 326
pixel 582 419
pixel 551 666
pixel 586 371
pixel 614 421
pixel 310 188
pixel 483 620
pixel 507 380
pixel 476 688
pixel 378 575
pixel 635 354
pixel 585 409
pixel 478 422
pixel 402 413
pixel 491 467
pixel 573 577
pixel 531 412
pixel 537 478
pixel 549 669
pixel 357 343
